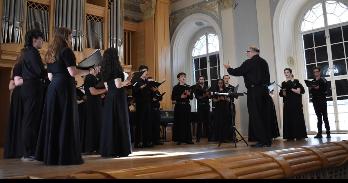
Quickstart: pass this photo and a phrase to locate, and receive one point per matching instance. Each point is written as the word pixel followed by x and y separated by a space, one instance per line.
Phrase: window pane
pixel 340 67
pixel 214 73
pixel 200 47
pixel 197 74
pixel 336 35
pixel 337 12
pixel 321 54
pixel 213 84
pixel 308 41
pixel 213 43
pixel 310 56
pixel 204 73
pixel 342 87
pixel 342 107
pixel 337 51
pixel 310 71
pixel 203 63
pixel 346 45
pixel 196 63
pixel 325 72
pixel 319 38
pixel 213 61
pixel 313 19
pixel 329 90
pixel 345 32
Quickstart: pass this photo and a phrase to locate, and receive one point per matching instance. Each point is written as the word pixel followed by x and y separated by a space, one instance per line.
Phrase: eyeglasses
pixel 248 51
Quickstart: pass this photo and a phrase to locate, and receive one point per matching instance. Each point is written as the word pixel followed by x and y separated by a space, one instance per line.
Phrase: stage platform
pixel 169 153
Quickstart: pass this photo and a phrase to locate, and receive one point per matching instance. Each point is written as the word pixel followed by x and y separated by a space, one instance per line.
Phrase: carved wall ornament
pixel 148 8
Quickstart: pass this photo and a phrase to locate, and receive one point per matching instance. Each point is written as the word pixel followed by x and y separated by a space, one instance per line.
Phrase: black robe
pixel 93 116
pixel 33 94
pixel 182 112
pixel 221 113
pixel 293 119
pixel 156 116
pixel 204 125
pixel 13 147
pixel 143 126
pixel 59 139
pixel 115 139
pixel 263 124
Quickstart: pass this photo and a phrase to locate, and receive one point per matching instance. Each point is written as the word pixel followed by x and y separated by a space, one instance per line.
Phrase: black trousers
pixel 320 108
pixel 203 123
pixel 143 126
pixel 156 125
pixel 33 100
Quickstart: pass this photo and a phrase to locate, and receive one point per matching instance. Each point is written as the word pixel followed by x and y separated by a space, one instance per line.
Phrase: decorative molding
pixel 225 4
pixel 210 8
pixel 148 8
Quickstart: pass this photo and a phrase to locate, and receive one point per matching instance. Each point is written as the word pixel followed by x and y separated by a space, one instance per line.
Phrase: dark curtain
pixel 13 15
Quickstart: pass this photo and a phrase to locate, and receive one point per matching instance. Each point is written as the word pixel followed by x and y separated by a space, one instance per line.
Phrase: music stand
pixel 234 94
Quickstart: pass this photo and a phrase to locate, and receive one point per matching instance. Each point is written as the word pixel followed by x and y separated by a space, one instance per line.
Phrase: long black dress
pixel 182 111
pixel 81 105
pixel 222 118
pixel 115 139
pixel 93 116
pixel 293 119
pixel 263 124
pixel 33 95
pixel 13 147
pixel 59 139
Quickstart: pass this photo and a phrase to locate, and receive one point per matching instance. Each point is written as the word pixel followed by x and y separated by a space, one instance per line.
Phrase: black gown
pixel 203 109
pixel 182 112
pixel 222 118
pixel 33 95
pixel 93 116
pixel 143 126
pixel 59 139
pixel 156 117
pixel 115 139
pixel 13 147
pixel 81 97
pixel 293 119
pixel 263 126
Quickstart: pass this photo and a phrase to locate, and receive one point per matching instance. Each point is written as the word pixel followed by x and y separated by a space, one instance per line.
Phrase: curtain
pixel 13 15
pixel 94 32
pixel 38 18
pixel 70 14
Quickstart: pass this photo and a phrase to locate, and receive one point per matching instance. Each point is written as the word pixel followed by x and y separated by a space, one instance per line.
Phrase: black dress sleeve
pixel 17 70
pixel 281 91
pixel 176 95
pixel 119 74
pixel 68 57
pixel 299 85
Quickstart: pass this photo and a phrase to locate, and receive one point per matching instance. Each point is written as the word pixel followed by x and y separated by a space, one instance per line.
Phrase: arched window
pixel 206 60
pixel 324 31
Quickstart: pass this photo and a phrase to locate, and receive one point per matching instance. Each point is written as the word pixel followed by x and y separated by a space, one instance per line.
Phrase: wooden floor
pixel 168 153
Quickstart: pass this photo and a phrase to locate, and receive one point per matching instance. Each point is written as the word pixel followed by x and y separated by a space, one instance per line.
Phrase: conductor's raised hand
pixel 227 66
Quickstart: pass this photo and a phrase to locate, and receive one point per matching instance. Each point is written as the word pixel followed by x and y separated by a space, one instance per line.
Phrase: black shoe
pixel 178 143
pixel 328 136
pixel 148 145
pixel 190 142
pixel 289 140
pixel 257 145
pixel 318 136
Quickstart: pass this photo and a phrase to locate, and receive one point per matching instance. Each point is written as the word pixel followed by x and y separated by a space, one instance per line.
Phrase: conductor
pixel 262 116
